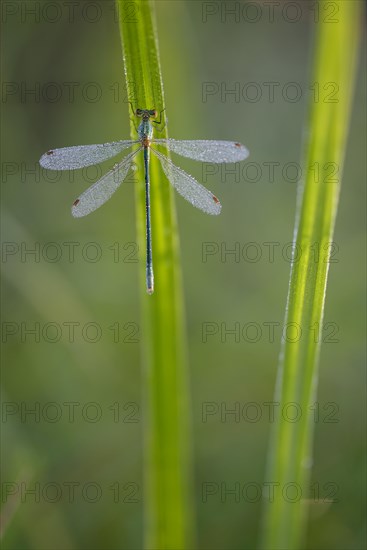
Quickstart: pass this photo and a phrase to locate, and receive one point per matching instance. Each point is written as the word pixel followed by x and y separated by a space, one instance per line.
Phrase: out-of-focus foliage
pixel 225 78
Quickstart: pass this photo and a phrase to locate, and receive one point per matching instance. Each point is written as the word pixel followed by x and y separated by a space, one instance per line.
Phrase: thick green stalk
pixel 290 455
pixel 167 470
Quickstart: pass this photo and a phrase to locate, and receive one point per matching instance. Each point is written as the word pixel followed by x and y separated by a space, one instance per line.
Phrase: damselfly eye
pixel 153 113
pixel 139 112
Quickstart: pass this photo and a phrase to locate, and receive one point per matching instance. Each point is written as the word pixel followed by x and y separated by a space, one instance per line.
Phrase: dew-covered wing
pixel 79 156
pixel 207 150
pixel 188 187
pixel 103 189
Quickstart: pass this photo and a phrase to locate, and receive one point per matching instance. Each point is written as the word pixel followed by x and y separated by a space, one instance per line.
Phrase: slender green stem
pixel 290 455
pixel 167 469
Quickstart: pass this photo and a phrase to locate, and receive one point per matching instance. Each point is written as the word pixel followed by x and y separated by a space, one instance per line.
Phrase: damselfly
pixel 80 156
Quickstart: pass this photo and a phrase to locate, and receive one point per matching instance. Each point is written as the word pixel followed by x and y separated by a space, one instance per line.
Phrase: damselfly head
pixel 146 114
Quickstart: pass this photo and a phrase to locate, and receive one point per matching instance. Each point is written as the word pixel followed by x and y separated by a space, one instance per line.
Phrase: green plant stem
pixel 167 471
pixel 290 455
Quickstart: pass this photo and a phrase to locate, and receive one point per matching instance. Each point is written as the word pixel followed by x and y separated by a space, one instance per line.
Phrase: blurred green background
pixel 79 370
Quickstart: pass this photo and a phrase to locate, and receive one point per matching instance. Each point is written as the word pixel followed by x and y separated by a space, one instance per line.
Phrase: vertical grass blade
pixel 167 501
pixel 290 456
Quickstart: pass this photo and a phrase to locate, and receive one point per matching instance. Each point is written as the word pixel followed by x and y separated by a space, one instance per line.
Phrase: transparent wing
pixel 103 189
pixel 188 187
pixel 78 156
pixel 207 150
